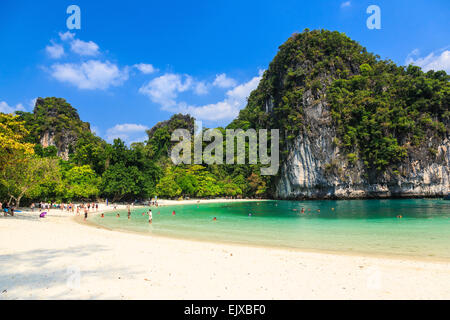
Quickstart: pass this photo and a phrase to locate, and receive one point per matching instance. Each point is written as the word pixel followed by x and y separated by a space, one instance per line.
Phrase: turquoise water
pixel 359 226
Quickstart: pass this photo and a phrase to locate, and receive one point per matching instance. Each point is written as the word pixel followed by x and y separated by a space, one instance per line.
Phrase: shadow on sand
pixel 26 275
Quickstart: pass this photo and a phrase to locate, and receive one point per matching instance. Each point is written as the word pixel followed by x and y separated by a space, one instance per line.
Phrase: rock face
pixel 315 168
pixel 64 143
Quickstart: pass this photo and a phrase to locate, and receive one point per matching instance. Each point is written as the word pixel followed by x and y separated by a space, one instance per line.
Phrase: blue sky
pixel 135 63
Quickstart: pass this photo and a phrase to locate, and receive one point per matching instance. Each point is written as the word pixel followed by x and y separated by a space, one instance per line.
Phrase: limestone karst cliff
pixel 352 125
pixel 54 122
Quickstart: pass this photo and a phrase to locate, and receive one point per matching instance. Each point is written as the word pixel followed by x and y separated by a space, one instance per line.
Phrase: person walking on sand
pixel 150 216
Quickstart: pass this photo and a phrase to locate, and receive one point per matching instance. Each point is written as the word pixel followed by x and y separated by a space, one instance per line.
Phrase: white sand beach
pixel 58 258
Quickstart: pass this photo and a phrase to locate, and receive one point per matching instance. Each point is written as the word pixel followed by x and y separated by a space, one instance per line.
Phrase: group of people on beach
pixel 86 208
pixel 46 206
pixel 7 208
pixel 69 207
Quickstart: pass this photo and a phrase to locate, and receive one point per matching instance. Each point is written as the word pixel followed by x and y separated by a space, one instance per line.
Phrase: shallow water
pixel 359 226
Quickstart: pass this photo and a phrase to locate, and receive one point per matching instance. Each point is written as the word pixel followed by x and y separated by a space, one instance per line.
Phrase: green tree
pixel 120 182
pixel 12 140
pixel 167 186
pixel 26 174
pixel 81 182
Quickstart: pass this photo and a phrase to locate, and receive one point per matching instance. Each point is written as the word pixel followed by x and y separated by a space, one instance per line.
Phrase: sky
pixel 135 63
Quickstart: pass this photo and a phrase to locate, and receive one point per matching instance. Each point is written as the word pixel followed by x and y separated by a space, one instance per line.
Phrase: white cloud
pixel 346 4
pixel 200 88
pixel 164 89
pixel 128 132
pixel 84 48
pixel 32 103
pixel 95 130
pixel 222 81
pixel 235 100
pixel 145 68
pixel 242 91
pixel 6 108
pixel 92 74
pixel 434 61
pixel 66 36
pixel 55 50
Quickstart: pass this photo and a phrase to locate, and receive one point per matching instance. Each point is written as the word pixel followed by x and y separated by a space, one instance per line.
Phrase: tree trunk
pixel 18 201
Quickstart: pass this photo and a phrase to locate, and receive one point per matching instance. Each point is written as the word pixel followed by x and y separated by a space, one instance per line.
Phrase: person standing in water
pixel 85 213
pixel 129 211
pixel 150 216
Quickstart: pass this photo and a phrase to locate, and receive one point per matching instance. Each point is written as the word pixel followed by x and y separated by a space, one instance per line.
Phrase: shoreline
pixel 36 257
pixel 254 245
pixel 91 224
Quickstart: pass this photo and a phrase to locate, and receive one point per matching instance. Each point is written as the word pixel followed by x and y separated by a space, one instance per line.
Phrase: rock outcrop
pixel 352 125
pixel 57 124
pixel 316 168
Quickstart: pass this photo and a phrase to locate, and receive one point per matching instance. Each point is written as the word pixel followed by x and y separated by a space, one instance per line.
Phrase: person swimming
pixel 303 210
pixel 173 212
pixel 118 215
pixel 214 219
